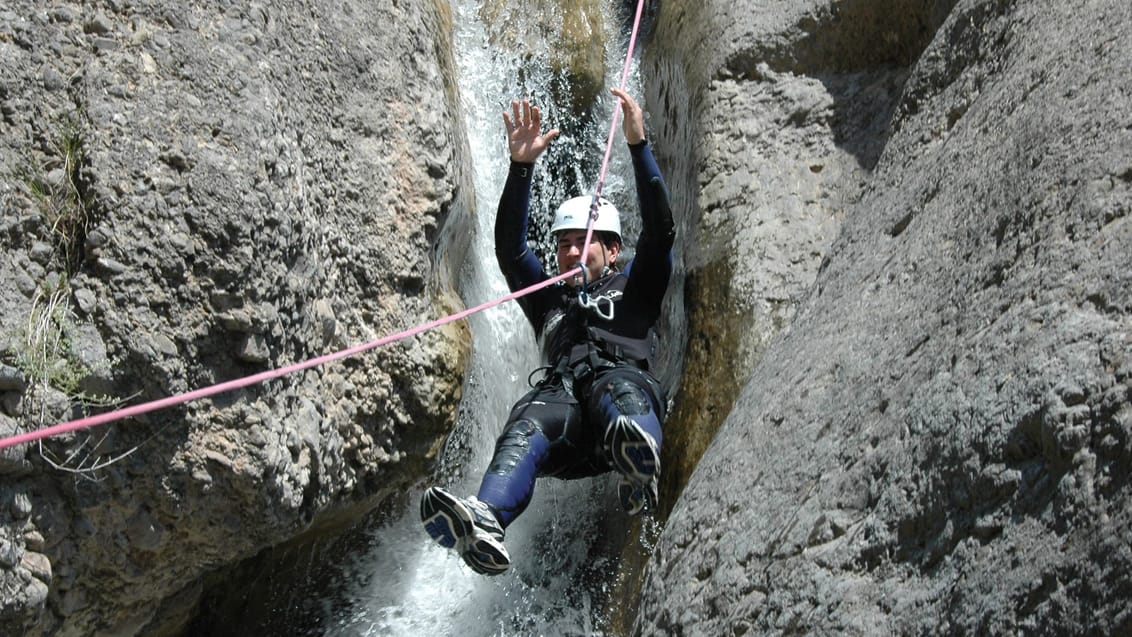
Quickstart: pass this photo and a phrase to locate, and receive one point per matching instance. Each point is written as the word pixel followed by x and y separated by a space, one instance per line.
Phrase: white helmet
pixel 574 214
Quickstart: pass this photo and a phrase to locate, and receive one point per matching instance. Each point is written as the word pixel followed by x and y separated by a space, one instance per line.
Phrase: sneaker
pixel 469 527
pixel 632 450
pixel 633 453
pixel 637 497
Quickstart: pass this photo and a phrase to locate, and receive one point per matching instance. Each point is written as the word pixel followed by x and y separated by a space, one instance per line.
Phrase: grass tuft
pixel 59 190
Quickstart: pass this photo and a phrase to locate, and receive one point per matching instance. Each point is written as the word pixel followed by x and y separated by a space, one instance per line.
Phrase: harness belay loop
pixel 594 304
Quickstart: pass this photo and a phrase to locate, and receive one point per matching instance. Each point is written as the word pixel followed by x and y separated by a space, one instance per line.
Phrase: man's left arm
pixel 652 264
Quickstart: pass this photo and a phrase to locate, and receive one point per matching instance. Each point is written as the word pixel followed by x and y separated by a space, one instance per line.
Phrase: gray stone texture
pixel 902 278
pixel 919 212
pixel 255 184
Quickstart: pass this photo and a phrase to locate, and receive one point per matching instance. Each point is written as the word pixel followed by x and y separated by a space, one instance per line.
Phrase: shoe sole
pixel 445 518
pixel 633 451
pixel 487 557
pixel 632 497
pixel 452 525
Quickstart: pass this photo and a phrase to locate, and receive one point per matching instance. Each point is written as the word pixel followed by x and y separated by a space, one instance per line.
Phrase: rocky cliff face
pixel 193 192
pixel 916 215
pixel 904 236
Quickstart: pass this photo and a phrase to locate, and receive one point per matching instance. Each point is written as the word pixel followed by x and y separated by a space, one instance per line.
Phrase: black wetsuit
pixel 598 368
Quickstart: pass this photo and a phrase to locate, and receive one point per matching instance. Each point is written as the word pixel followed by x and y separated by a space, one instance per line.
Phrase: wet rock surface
pixel 934 438
pixel 193 193
pixel 902 282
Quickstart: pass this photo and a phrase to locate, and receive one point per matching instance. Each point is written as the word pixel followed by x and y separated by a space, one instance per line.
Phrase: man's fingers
pixel 526 113
pixel 627 102
pixel 511 121
pixel 524 126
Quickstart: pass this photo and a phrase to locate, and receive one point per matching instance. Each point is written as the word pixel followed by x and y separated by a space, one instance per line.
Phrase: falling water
pixel 405 584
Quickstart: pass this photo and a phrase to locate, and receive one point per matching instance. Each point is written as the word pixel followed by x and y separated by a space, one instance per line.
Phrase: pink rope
pixel 612 131
pixel 212 390
pixel 91 421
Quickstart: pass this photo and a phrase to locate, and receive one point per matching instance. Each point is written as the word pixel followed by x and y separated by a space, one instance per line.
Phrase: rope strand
pixel 612 131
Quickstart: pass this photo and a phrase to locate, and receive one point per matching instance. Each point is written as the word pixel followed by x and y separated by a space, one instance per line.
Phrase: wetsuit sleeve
pixel 652 265
pixel 518 263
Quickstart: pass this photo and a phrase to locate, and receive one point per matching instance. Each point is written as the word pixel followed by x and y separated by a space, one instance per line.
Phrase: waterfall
pixel 404 584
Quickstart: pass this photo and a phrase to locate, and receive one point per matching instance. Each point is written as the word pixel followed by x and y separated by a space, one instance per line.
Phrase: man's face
pixel 570 244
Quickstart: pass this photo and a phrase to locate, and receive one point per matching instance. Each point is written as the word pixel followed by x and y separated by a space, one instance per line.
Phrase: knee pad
pixel 630 399
pixel 513 445
pixel 625 397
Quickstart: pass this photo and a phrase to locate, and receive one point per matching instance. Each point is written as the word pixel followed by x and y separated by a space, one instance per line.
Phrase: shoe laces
pixel 485 519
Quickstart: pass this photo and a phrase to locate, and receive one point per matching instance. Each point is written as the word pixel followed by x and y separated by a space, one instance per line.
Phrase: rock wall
pixel 567 37
pixel 903 237
pixel 190 193
pixel 916 215
pixel 770 135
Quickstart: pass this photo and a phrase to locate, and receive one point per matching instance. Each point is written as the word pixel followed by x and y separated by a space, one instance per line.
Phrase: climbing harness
pixel 212 390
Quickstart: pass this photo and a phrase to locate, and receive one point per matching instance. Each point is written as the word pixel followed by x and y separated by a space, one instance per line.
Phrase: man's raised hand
pixel 525 140
pixel 634 124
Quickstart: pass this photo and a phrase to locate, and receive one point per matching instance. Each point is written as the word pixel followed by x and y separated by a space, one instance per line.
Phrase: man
pixel 598 407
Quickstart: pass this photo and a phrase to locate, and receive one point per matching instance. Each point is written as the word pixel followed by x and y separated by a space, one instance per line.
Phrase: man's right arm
pixel 518 263
pixel 516 260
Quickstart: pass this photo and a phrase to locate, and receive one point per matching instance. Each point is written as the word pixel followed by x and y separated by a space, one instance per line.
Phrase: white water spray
pixel 407 585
